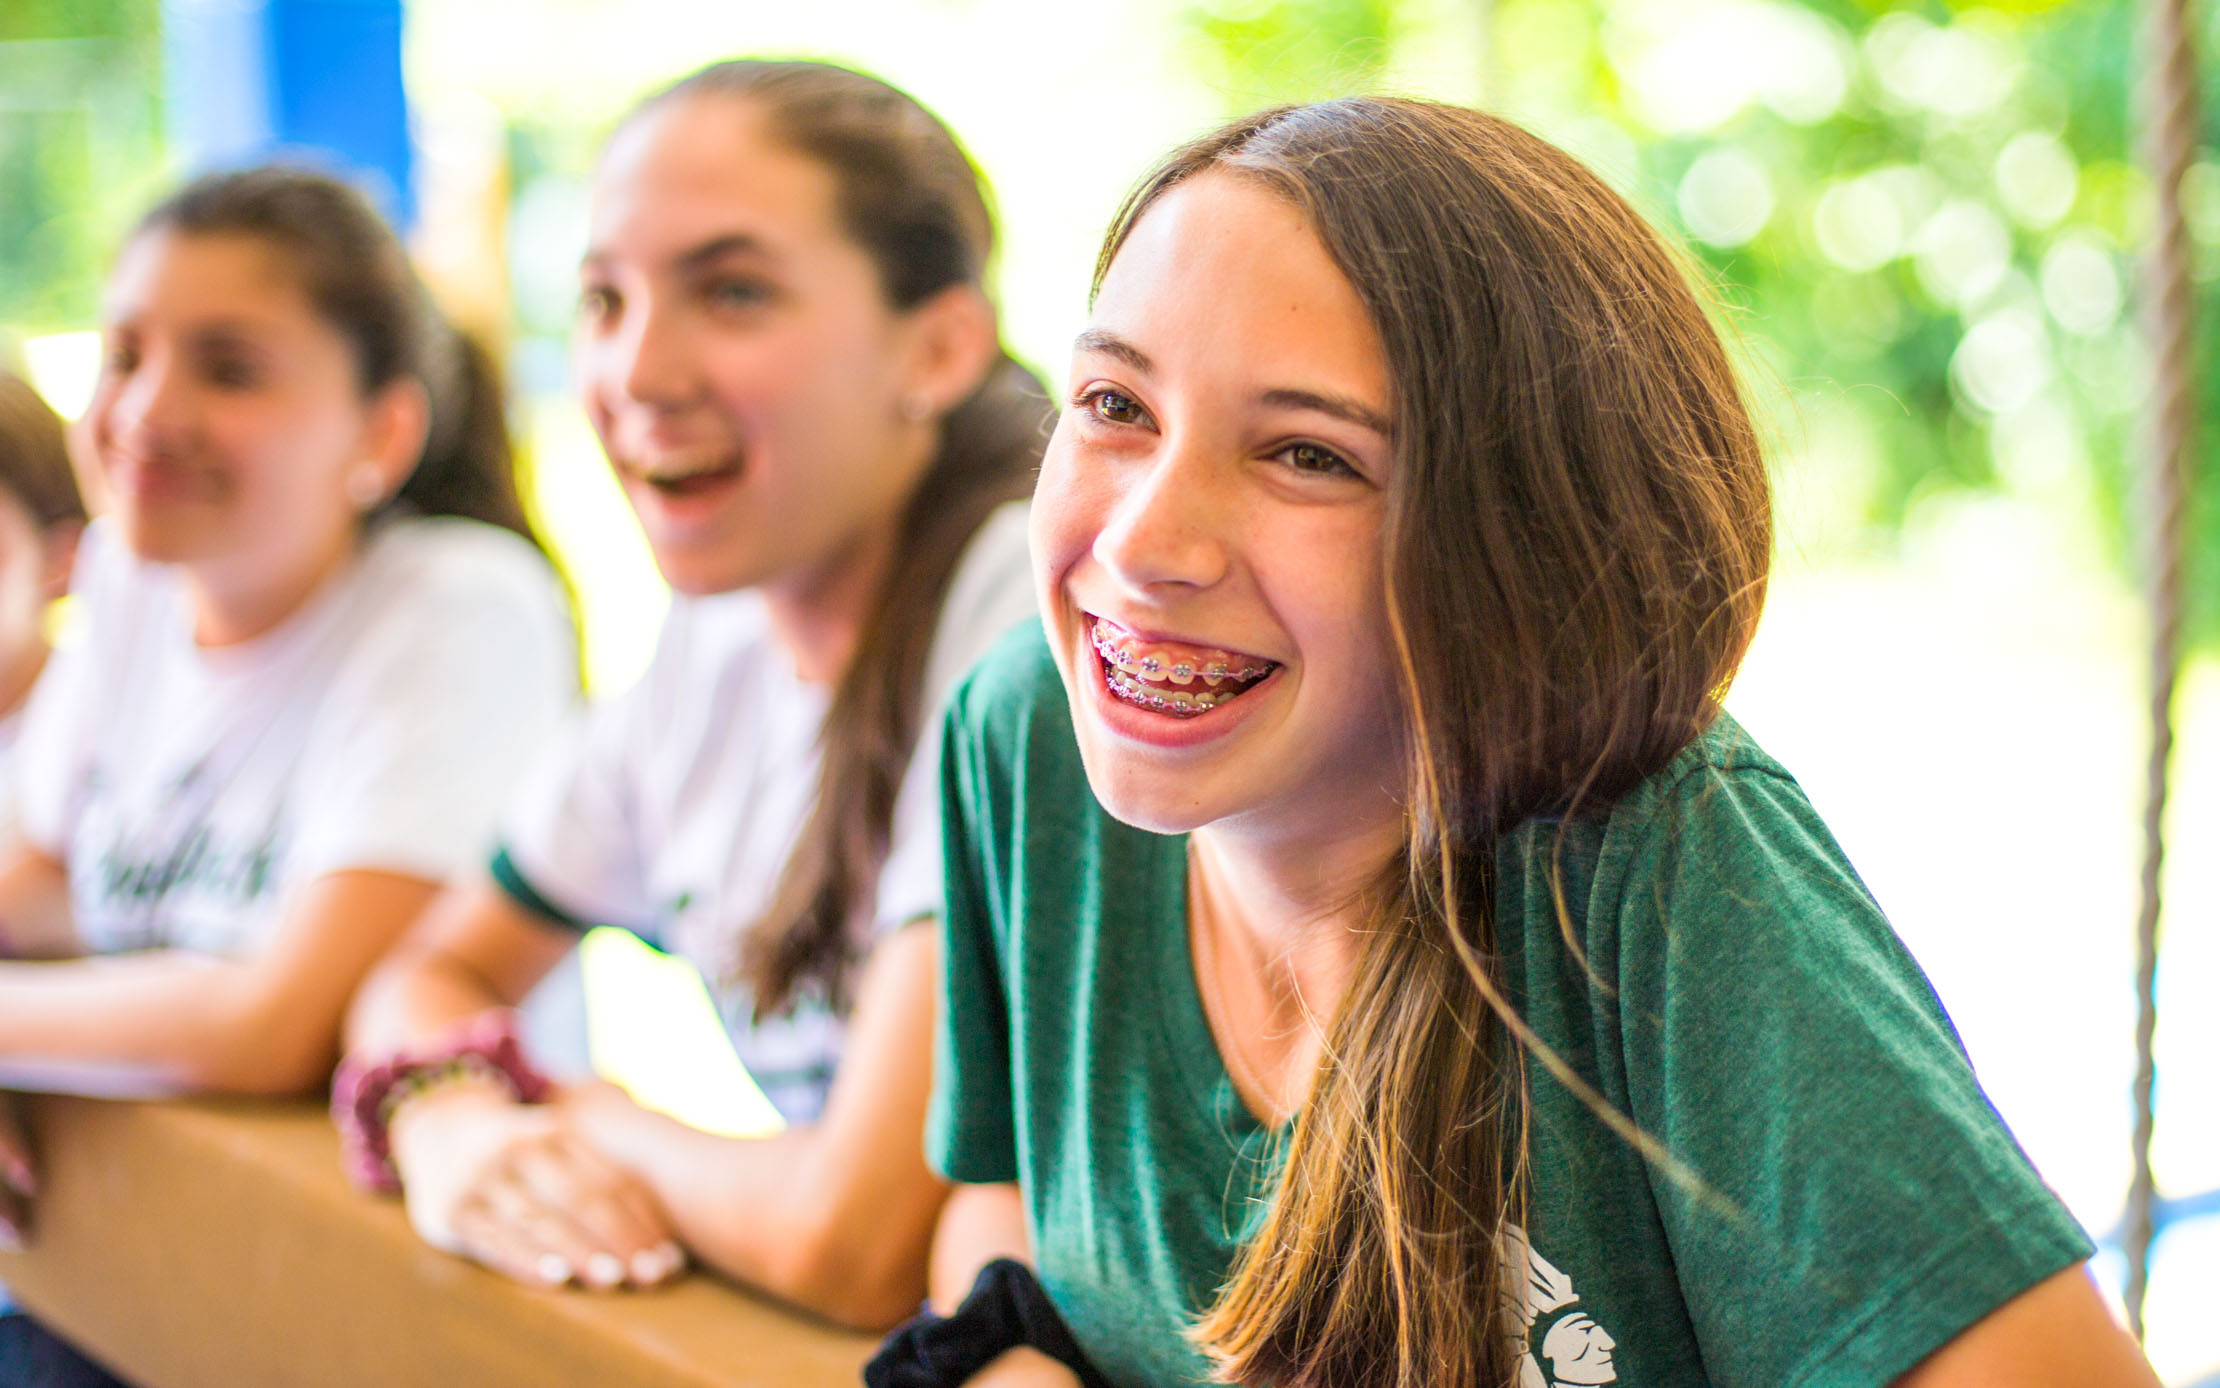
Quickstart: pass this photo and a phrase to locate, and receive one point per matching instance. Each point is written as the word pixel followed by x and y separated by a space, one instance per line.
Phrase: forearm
pixel 473 951
pixel 413 997
pixel 179 1019
pixel 784 1214
pixel 978 1225
pixel 266 1025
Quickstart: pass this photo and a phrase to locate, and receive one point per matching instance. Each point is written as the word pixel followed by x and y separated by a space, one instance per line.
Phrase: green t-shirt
pixel 1761 1020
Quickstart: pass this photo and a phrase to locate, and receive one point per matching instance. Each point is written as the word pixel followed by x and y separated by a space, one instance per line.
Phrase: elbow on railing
pixel 861 1278
pixel 258 1050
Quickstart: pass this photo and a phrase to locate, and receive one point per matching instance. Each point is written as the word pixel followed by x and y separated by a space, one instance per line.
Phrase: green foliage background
pixel 1977 339
pixel 1888 379
pixel 79 148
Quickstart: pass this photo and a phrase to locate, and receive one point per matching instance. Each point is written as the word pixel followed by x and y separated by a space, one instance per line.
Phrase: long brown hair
pixel 1576 549
pixel 358 279
pixel 912 199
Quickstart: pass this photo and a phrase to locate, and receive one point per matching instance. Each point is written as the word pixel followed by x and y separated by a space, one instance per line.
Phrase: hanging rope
pixel 2170 129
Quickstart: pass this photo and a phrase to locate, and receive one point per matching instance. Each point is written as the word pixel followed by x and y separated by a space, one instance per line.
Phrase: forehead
pixel 1226 275
pixel 168 274
pixel 705 167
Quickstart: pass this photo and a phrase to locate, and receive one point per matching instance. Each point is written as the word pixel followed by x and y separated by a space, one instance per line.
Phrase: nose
pixel 650 361
pixel 1170 526
pixel 145 407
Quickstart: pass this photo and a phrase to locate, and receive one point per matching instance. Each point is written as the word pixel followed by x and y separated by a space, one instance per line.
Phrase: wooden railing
pixel 217 1245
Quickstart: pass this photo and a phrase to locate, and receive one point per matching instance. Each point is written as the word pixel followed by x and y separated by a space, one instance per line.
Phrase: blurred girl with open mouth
pixel 1374 956
pixel 786 346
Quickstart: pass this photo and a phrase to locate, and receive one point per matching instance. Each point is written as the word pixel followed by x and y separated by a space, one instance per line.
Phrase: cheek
pixel 273 457
pixel 824 359
pixel 22 597
pixel 1065 516
pixel 594 372
pixel 1335 601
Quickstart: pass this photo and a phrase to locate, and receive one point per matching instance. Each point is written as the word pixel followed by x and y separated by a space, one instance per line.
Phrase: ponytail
pixel 469 466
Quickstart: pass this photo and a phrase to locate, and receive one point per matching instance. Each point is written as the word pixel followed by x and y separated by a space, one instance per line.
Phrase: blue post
pixel 314 80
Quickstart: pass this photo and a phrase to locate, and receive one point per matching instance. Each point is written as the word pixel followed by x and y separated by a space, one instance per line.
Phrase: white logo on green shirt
pixel 1563 1347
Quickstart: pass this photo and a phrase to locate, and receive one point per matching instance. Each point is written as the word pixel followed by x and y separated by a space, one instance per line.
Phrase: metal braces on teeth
pixel 1151 666
pixel 1184 705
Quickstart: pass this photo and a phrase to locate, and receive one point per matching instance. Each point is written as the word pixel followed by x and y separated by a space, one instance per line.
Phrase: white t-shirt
pixel 193 792
pixel 672 810
pixel 11 734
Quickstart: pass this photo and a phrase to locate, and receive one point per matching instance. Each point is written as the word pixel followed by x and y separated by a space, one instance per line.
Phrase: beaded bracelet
pixel 365 1094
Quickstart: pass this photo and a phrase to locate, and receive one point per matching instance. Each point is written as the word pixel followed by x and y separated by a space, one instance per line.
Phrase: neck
pixel 20 674
pixel 818 615
pixel 1295 907
pixel 230 606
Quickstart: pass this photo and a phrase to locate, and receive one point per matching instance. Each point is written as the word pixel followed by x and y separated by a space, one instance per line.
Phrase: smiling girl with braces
pixel 1469 1001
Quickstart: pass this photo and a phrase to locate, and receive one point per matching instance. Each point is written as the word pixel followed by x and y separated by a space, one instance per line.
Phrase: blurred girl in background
pixel 318 644
pixel 1374 956
pixel 41 516
pixel 786 346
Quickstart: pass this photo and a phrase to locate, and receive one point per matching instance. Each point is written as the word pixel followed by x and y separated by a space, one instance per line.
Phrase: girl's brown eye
pixel 1309 457
pixel 1115 408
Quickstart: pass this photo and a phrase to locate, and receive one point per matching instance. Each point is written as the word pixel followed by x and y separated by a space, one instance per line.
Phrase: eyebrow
pixel 225 334
pixel 1111 345
pixel 1341 407
pixel 694 258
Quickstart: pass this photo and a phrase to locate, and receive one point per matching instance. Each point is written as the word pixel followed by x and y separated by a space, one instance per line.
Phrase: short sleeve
pixel 570 850
pixel 423 735
pixel 45 769
pixel 46 779
pixel 1857 1200
pixel 969 1132
pixel 991 592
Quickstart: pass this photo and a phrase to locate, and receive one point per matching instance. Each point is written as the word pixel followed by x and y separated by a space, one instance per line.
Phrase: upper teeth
pixel 1133 658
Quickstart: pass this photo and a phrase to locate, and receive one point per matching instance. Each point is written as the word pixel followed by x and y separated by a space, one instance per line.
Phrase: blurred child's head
pixel 274 373
pixel 40 515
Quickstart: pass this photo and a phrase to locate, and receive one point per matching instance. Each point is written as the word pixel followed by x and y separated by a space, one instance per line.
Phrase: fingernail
pixel 11 1238
pixel 553 1269
pixel 605 1269
pixel 23 1178
pixel 648 1266
pixel 674 1257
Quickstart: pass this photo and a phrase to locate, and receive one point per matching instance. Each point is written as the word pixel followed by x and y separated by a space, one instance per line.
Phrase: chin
pixel 155 538
pixel 1150 798
pixel 706 563
pixel 705 576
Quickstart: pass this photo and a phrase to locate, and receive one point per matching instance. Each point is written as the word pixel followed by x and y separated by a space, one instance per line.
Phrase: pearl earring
pixel 917 406
pixel 365 487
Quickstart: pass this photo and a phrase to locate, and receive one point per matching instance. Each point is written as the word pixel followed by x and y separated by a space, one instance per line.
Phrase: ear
pixel 953 341
pixel 394 429
pixel 57 555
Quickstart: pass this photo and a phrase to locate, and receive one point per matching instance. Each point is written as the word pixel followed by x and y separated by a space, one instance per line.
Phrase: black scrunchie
pixel 1006 1308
